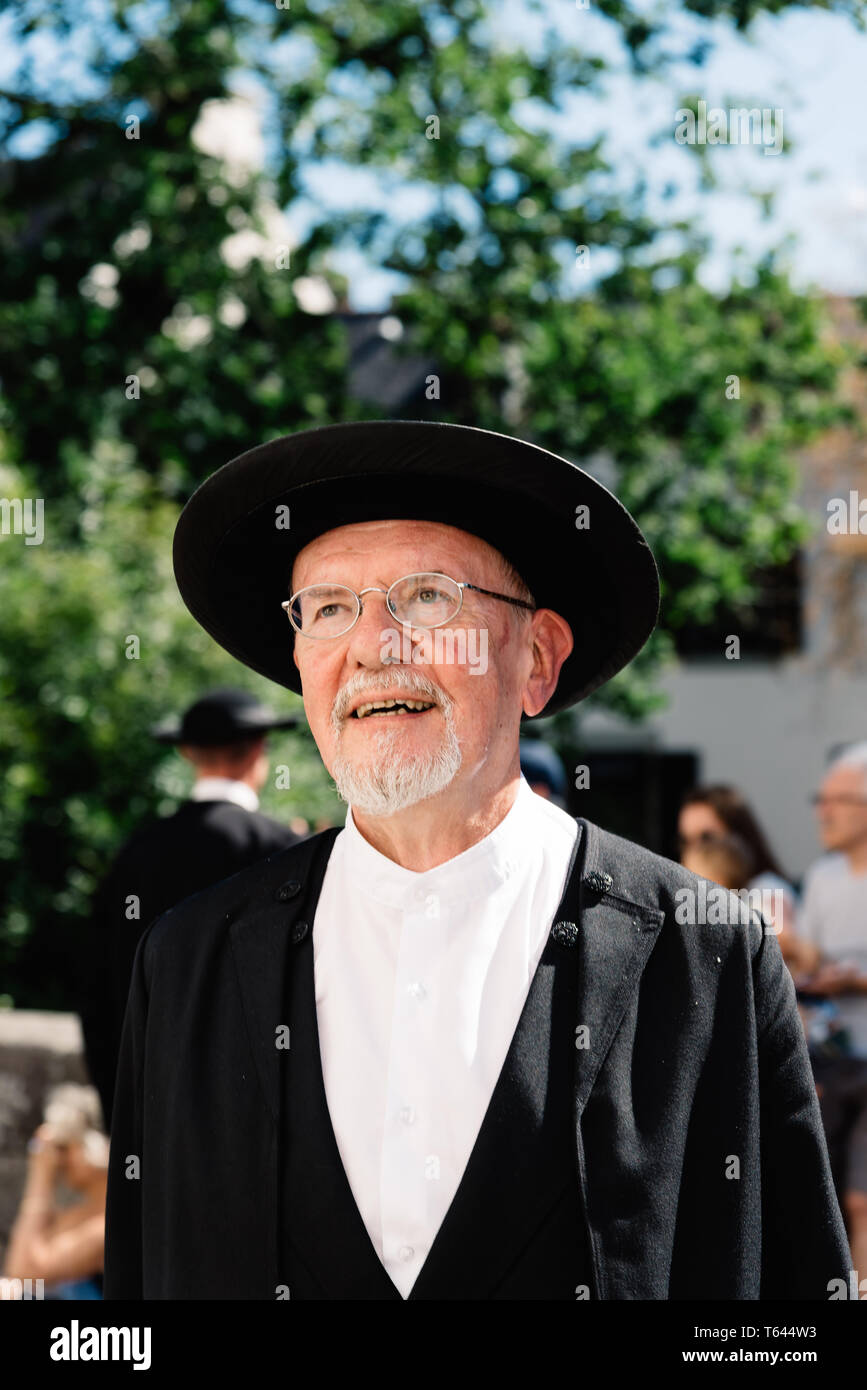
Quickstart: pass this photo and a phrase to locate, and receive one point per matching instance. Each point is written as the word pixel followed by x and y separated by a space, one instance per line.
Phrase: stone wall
pixel 37 1051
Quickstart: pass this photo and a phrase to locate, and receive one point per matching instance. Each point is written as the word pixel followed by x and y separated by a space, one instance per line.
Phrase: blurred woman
pixel 717 812
pixel 723 859
pixel 60 1243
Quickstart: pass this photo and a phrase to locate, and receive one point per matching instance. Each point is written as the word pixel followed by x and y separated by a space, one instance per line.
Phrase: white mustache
pixel 393 677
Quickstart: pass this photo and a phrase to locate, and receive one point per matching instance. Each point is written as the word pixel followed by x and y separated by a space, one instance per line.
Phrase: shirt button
pixel 406 1252
pixel 416 990
pixel 407 1114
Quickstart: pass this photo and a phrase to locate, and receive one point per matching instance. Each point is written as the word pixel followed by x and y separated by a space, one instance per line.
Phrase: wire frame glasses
pixel 425 600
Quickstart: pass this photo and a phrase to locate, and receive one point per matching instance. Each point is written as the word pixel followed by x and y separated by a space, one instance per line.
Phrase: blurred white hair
pixel 853 756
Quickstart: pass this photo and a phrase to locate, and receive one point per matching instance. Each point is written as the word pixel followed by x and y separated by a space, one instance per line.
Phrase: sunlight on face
pixel 383 762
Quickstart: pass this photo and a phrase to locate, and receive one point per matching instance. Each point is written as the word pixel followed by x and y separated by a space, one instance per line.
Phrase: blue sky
pixel 809 63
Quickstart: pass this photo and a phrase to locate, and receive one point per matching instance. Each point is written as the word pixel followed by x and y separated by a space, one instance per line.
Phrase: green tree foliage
pixel 96 647
pixel 127 251
pixel 151 327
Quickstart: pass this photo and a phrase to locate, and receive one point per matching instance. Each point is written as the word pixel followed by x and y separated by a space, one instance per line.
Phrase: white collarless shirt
pixel 420 981
pixel 225 789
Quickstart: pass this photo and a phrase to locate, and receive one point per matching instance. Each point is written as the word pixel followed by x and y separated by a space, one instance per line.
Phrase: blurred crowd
pixel 822 932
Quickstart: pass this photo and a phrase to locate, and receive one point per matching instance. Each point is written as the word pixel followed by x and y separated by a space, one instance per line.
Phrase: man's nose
pixel 366 642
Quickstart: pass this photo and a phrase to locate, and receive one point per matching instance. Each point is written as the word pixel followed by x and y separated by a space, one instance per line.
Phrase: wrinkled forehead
pixel 402 545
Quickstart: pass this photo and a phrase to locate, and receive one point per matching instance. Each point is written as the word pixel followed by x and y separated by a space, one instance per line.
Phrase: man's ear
pixel 186 752
pixel 552 643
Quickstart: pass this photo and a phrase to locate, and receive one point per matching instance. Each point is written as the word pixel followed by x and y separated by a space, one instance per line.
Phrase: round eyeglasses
pixel 417 600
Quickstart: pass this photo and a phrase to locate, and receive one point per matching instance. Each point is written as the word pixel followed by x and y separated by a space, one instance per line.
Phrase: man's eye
pixel 429 595
pixel 328 610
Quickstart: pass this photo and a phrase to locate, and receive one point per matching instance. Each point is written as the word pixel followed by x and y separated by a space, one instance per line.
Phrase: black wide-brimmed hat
pixel 222 717
pixel 238 535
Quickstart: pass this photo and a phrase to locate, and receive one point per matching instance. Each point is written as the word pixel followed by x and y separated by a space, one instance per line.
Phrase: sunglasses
pixel 705 837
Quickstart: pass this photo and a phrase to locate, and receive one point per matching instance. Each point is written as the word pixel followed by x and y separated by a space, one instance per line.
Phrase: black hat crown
pixel 221 717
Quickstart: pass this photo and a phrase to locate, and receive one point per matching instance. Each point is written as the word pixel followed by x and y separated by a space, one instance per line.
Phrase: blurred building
pixel 382 372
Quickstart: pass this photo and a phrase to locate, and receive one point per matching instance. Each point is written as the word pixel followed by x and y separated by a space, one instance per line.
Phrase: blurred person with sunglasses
pixel 724 859
pixel 717 812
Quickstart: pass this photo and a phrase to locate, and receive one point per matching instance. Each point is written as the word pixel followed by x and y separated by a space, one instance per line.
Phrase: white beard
pixel 388 782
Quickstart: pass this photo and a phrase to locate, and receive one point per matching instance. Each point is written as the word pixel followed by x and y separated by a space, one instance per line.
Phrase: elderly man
pixel 834 912
pixel 833 920
pixel 464 1047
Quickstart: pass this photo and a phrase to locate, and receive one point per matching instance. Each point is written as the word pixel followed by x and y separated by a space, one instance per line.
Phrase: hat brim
pixel 172 732
pixel 233 551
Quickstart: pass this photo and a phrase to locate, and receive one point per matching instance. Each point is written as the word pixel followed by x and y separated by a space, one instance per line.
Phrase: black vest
pixel 515 1229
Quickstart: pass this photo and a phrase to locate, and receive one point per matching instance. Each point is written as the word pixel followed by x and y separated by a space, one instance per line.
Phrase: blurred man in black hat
pixel 465 1047
pixel 217 832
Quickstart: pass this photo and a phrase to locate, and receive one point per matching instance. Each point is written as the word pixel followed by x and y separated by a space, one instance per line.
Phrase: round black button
pixel 299 931
pixel 288 890
pixel 565 933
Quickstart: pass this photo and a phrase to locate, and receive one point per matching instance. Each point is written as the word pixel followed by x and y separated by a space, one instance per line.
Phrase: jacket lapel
pixel 617 935
pixel 522 1159
pixel 327 1250
pixel 615 938
pixel 261 934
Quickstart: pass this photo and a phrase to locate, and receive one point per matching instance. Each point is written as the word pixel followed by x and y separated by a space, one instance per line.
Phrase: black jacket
pixel 161 864
pixel 695 1058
